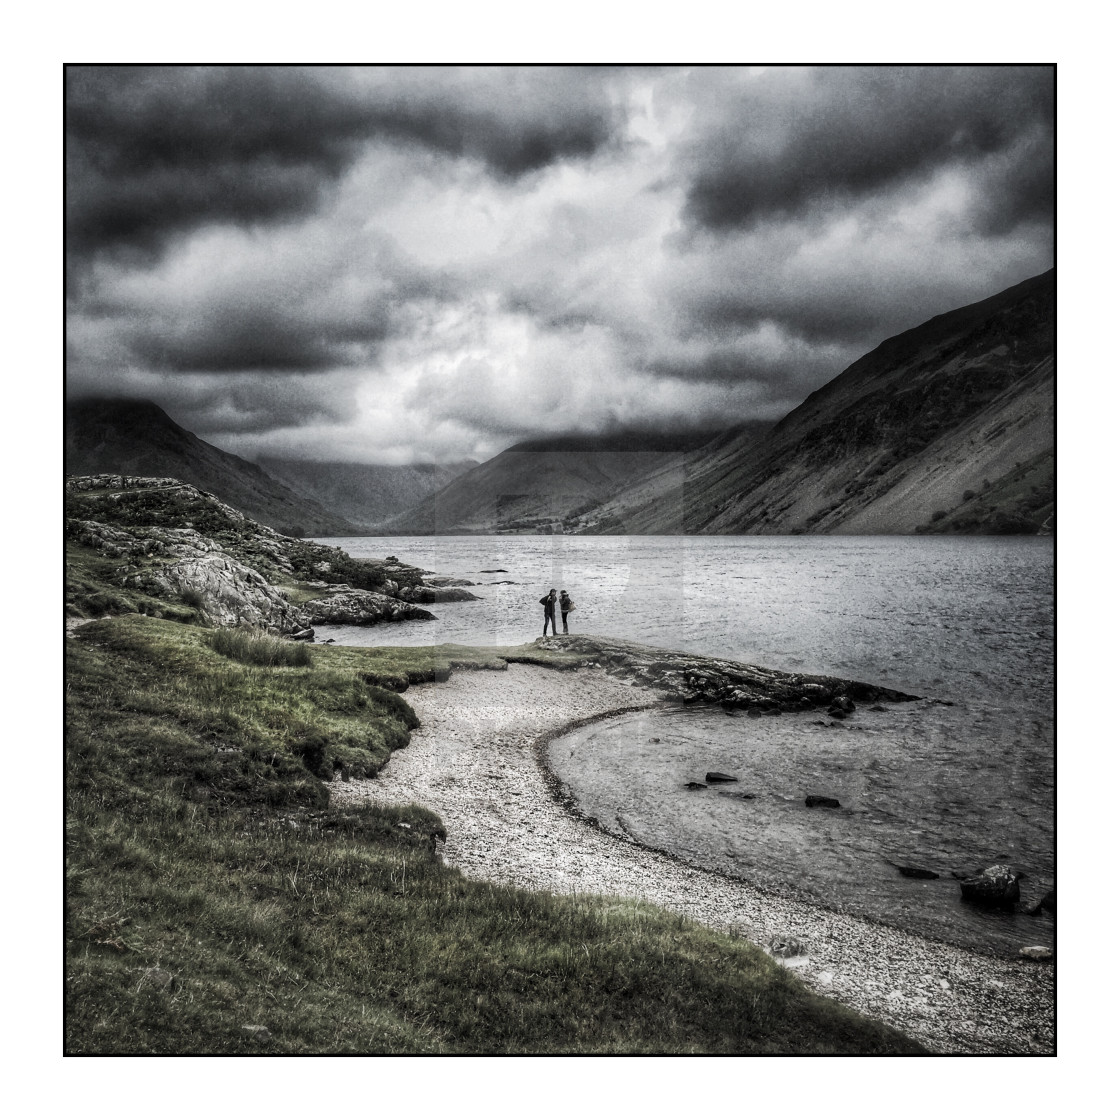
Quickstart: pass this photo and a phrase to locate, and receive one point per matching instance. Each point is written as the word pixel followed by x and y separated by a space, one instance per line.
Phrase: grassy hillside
pixel 955 405
pixel 217 904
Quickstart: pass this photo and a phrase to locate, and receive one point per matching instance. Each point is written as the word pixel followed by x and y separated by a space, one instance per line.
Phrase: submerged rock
pixel 1049 901
pixel 996 886
pixel 814 801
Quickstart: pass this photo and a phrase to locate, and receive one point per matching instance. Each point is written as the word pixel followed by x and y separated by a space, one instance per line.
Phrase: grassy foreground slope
pixel 217 904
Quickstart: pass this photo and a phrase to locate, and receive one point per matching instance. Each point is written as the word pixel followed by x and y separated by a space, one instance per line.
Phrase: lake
pixel 960 780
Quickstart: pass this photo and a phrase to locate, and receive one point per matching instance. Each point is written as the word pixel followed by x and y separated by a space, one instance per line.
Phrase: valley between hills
pixel 946 428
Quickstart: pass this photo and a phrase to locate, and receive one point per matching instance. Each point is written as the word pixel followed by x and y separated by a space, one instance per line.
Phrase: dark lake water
pixel 960 780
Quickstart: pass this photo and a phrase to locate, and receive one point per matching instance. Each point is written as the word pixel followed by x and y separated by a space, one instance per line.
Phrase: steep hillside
pixel 948 427
pixel 129 437
pixel 364 493
pixel 547 485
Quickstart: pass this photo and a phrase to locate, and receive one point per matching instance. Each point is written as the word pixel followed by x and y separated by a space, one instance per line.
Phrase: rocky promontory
pixel 179 549
pixel 694 678
pixel 361 608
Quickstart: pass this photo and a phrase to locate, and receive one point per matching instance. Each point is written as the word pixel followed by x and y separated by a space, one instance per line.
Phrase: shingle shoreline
pixel 478 761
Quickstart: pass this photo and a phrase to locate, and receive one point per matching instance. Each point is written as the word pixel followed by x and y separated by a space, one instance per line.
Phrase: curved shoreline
pixel 478 760
pixel 563 797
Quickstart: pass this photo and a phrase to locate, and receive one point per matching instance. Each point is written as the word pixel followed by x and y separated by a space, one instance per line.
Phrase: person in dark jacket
pixel 566 605
pixel 549 604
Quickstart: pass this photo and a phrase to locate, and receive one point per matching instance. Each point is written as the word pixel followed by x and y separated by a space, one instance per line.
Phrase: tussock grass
pixel 255 647
pixel 211 886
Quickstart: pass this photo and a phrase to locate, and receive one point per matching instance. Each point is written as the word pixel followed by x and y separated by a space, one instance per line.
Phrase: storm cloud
pixel 822 137
pixel 399 264
pixel 155 151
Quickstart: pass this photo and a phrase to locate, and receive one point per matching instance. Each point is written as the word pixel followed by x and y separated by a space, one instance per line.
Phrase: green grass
pixel 91 590
pixel 255 647
pixel 210 885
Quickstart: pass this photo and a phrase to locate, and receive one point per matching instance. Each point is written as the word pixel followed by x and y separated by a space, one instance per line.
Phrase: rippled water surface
pixel 944 786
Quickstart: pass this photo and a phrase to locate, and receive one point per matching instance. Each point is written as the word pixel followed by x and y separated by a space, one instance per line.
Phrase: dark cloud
pixel 777 375
pixel 362 262
pixel 238 339
pixel 790 142
pixel 241 404
pixel 246 404
pixel 156 151
pixel 844 319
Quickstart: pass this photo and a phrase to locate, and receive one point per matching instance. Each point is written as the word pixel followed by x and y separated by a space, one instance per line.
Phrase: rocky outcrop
pixel 141 506
pixel 151 541
pixel 426 593
pixel 229 593
pixel 177 542
pixel 693 678
pixel 996 886
pixel 360 608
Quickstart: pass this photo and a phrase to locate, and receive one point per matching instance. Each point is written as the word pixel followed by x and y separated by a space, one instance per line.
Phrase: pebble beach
pixel 477 761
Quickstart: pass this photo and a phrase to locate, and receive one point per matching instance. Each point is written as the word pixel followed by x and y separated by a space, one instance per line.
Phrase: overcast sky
pixel 391 265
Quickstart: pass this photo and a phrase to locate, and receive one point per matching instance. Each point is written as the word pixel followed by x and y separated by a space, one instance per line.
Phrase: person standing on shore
pixel 549 604
pixel 566 605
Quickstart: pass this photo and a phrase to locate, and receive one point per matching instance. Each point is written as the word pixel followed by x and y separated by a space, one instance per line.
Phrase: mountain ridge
pixel 365 494
pixel 921 434
pixel 548 485
pixel 123 436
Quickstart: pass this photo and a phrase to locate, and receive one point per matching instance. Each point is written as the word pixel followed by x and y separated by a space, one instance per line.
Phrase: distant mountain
pixel 546 485
pixel 364 494
pixel 130 437
pixel 948 427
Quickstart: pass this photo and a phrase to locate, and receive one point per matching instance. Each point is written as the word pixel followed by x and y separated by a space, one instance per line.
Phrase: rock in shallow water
pixel 1049 901
pixel 995 886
